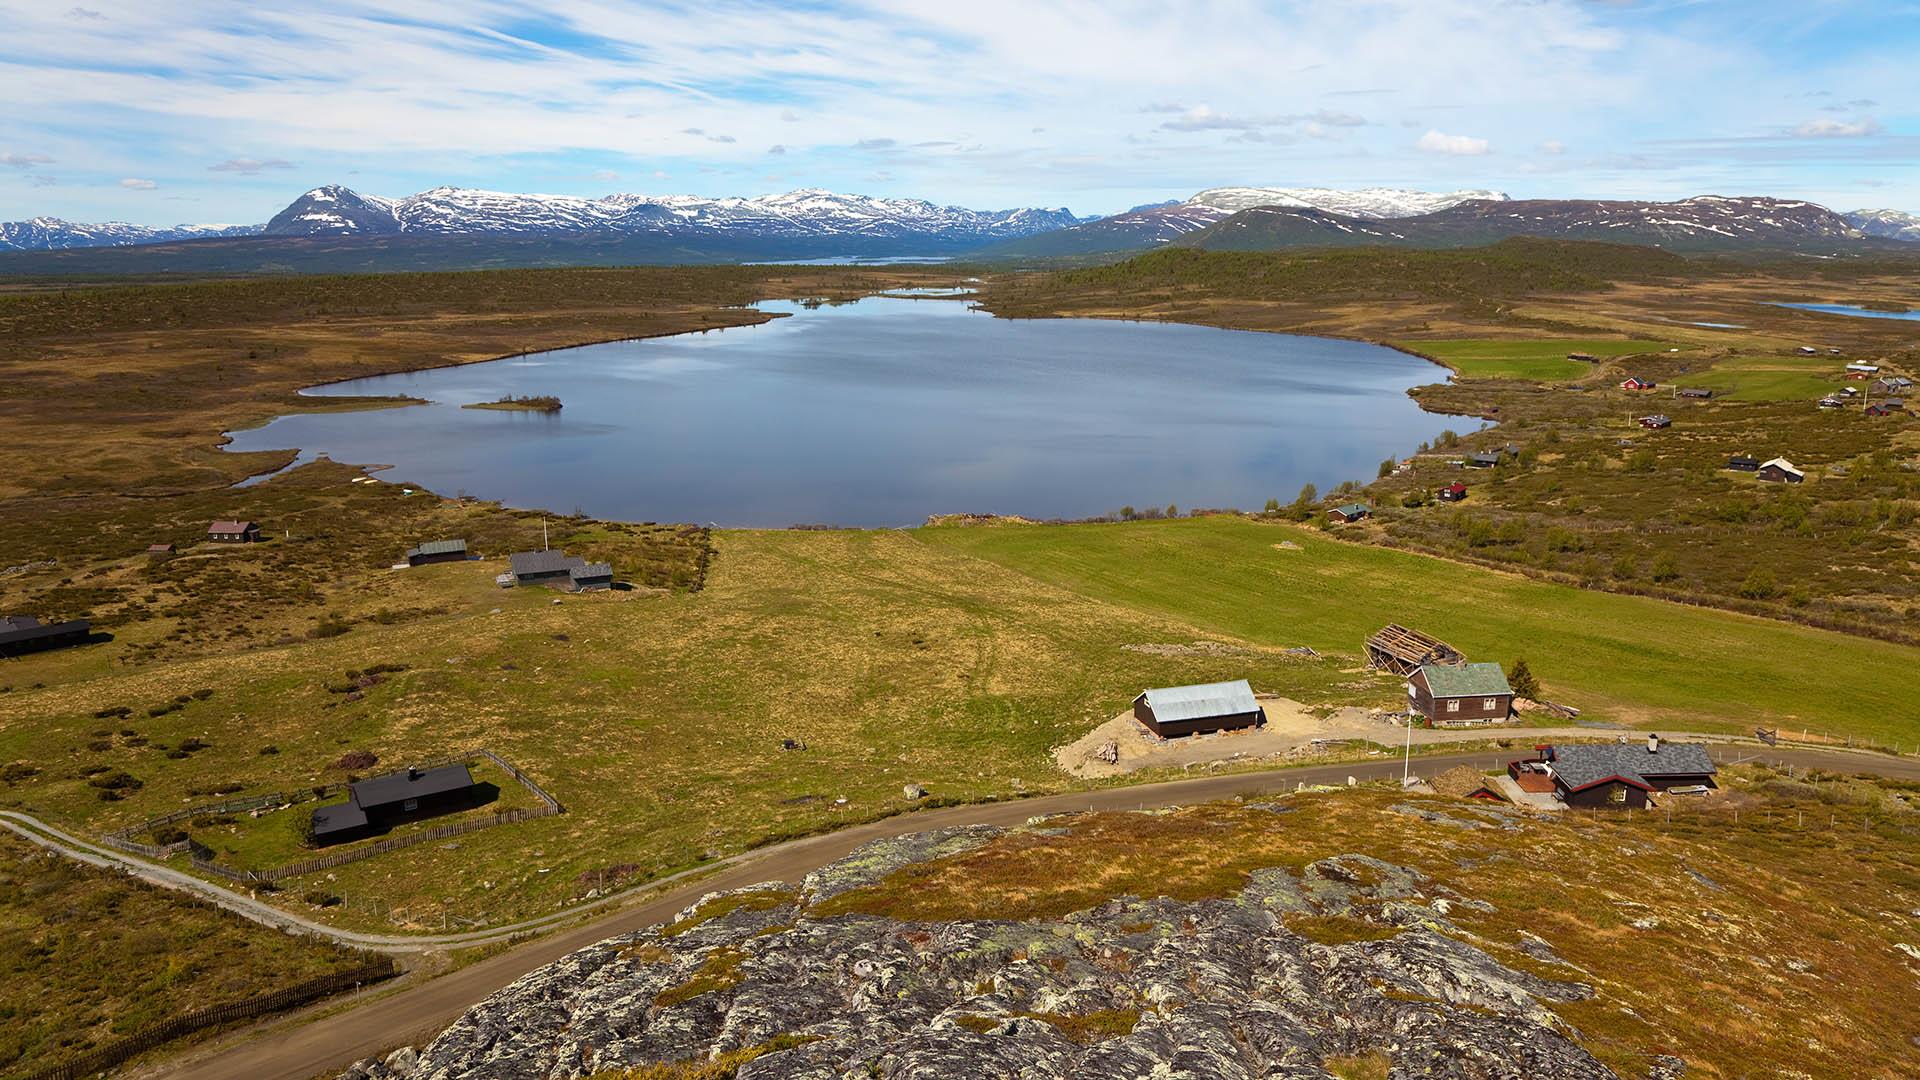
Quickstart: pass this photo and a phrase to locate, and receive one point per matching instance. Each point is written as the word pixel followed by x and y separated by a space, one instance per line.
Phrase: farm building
pixel 591 577
pixel 1196 710
pixel 1700 392
pixel 1350 513
pixel 1638 383
pixel 1887 407
pixel 1655 422
pixel 159 549
pixel 1859 368
pixel 1453 492
pixel 1465 782
pixel 548 567
pixel 1743 463
pixel 376 804
pixel 1893 384
pixel 1780 471
pixel 1402 651
pixel 1859 375
pixel 233 532
pixel 24 634
pixel 1446 695
pixel 1619 775
pixel 436 551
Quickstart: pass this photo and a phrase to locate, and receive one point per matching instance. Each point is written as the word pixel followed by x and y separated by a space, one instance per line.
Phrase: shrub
pixel 192 746
pixel 15 771
pixel 116 780
pixel 169 834
pixel 1665 567
pixel 1759 585
pixel 320 898
pixel 1520 678
pixel 269 749
pixel 357 759
pixel 98 745
pixel 300 824
pixel 203 693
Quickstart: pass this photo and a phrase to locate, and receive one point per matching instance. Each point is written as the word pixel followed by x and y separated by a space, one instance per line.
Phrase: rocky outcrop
pixel 1229 988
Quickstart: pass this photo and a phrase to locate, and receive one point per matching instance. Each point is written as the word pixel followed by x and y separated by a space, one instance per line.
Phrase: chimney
pixel 1653 743
pixel 413 771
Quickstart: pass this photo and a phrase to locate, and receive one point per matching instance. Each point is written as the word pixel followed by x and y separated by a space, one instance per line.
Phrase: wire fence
pixel 107 1056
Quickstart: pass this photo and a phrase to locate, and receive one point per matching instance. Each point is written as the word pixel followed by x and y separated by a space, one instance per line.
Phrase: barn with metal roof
pixel 1173 711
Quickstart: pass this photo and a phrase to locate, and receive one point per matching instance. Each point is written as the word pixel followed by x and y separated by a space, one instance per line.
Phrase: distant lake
pixel 883 412
pixel 1848 309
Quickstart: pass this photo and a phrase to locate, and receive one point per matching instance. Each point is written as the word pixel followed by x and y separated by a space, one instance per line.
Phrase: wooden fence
pixel 106 1057
pixel 378 847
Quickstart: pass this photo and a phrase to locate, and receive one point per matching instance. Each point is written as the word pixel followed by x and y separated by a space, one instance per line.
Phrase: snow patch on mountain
pixel 54 234
pixel 1371 203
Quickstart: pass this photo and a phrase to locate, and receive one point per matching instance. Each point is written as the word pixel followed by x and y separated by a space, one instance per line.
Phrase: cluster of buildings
pixel 1893 390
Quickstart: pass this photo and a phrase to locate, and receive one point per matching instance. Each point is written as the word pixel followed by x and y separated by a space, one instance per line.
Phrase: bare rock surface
pixel 1160 988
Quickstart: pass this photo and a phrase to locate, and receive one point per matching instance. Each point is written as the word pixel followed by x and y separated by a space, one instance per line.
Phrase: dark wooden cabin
pixel 1780 471
pixel 1462 694
pixel 21 634
pixel 377 804
pixel 1743 463
pixel 1350 513
pixel 1623 775
pixel 1453 492
pixel 437 551
pixel 233 532
pixel 549 567
pixel 591 577
pixel 1174 711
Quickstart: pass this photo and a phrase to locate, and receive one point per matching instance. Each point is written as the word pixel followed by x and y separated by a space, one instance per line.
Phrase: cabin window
pixel 1453 705
pixel 1617 794
pixel 1490 704
pixel 410 804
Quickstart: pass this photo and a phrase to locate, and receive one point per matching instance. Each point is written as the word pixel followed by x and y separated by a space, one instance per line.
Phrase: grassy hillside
pixel 1622 657
pixel 1543 359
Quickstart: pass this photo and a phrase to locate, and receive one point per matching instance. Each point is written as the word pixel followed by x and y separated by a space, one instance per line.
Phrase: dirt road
pixel 297 1050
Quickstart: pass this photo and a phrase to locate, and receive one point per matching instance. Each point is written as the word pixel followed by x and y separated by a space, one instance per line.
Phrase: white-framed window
pixel 1453 704
pixel 1490 704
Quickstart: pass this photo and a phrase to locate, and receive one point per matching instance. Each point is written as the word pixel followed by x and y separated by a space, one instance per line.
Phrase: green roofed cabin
pixel 434 551
pixel 1446 695
pixel 1350 513
pixel 1196 710
pixel 377 804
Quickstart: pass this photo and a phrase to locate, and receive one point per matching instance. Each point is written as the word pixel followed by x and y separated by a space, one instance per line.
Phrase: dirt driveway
pixel 1290 732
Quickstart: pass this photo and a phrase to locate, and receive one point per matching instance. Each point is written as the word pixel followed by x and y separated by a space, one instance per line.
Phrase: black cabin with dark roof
pixel 381 802
pixel 24 634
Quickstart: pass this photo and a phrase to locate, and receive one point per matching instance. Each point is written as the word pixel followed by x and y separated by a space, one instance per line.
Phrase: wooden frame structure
pixel 1402 651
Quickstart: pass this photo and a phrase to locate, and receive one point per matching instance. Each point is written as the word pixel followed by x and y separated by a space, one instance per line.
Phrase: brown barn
pixel 1467 694
pixel 1624 775
pixel 1196 710
pixel 1402 651
pixel 233 532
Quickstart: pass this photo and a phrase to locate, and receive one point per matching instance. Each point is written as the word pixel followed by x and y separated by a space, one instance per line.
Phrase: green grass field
pixel 1542 360
pixel 1620 657
pixel 1775 378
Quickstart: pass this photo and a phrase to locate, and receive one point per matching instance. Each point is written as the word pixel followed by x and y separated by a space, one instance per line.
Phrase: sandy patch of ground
pixel 1290 731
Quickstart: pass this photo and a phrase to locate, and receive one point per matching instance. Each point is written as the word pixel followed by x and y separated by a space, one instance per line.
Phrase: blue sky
pixel 161 112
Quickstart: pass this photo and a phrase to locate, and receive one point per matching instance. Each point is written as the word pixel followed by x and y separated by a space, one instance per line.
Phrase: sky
pixel 162 112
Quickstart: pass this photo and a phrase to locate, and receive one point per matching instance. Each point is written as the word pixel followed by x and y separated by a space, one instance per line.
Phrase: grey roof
pixel 338 818
pixel 18 622
pixel 1489 458
pixel 1353 508
pixel 1470 680
pixel 439 547
pixel 1174 703
pixel 591 570
pixel 408 784
pixel 19 629
pixel 544 562
pixel 1584 766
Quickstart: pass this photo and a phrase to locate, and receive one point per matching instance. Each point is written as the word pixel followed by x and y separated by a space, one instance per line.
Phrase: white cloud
pixel 776 148
pixel 136 184
pixel 1837 129
pixel 24 161
pixel 250 166
pixel 605 176
pixel 1553 146
pixel 1435 142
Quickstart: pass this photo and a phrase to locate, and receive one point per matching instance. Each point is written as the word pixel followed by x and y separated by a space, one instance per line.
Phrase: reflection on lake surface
pixel 1849 309
pixel 883 412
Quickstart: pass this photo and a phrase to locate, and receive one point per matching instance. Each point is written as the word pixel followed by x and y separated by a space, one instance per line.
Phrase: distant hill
pixel 1886 224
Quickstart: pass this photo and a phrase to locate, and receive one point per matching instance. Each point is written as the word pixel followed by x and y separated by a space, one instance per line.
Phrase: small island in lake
pixel 546 403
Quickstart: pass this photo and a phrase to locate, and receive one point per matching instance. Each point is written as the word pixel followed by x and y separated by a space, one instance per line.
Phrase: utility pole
pixel 543 534
pixel 1406 763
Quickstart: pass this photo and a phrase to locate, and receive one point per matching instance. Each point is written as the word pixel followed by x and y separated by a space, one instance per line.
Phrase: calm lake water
pixel 883 412
pixel 1857 312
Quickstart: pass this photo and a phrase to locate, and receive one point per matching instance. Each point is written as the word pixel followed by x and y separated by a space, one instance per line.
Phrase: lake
pixel 1849 309
pixel 883 412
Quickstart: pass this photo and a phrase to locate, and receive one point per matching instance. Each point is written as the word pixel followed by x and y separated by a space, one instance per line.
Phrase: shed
pixel 1453 492
pixel 1194 710
pixel 160 549
pixel 1465 782
pixel 1624 774
pixel 544 568
pixel 1465 694
pixel 1781 471
pixel 24 634
pixel 1402 651
pixel 437 551
pixel 381 802
pixel 1638 383
pixel 1350 513
pixel 1743 463
pixel 233 532
pixel 591 577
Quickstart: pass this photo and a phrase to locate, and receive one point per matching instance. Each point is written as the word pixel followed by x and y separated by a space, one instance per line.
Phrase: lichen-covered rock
pixel 1133 988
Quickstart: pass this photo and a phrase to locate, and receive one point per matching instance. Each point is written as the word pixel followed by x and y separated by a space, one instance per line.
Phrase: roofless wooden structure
pixel 1402 651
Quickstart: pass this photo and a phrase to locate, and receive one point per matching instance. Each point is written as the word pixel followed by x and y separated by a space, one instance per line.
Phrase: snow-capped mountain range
pixel 1372 203
pixel 1886 224
pixel 52 234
